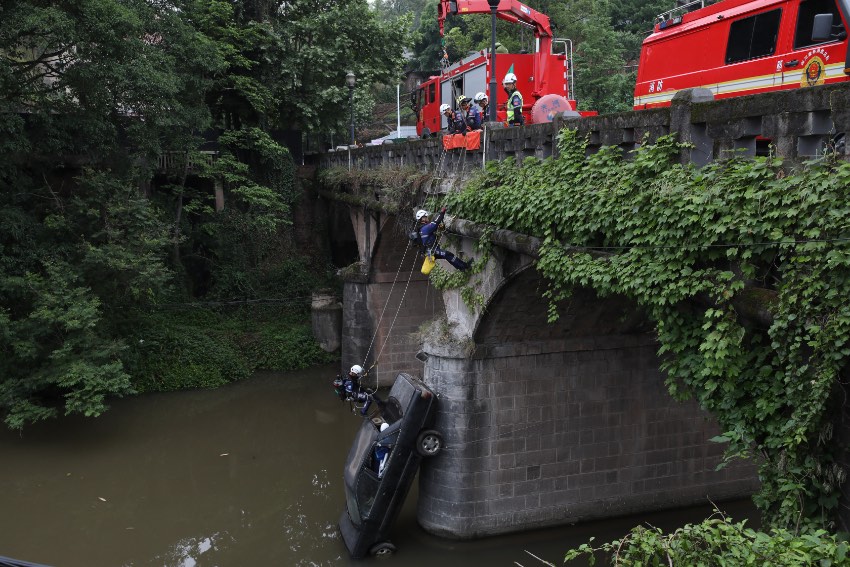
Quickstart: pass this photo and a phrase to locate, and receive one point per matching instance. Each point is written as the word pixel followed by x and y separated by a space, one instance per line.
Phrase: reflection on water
pixel 249 474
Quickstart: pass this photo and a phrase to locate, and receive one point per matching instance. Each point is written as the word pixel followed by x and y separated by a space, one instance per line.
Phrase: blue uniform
pixel 457 125
pixel 428 239
pixel 473 118
pixel 348 389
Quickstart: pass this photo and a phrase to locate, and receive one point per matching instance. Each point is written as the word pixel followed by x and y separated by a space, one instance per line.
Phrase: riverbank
pixel 187 347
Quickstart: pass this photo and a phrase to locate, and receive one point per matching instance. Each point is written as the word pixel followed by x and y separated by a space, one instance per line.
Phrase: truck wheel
pixel 429 443
pixel 426 133
pixel 382 549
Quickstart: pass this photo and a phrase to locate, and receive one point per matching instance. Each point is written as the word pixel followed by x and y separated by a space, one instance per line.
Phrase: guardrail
pixel 794 124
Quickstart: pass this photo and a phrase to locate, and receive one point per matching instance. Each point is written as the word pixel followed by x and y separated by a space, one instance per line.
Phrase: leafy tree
pixel 318 42
pixel 97 86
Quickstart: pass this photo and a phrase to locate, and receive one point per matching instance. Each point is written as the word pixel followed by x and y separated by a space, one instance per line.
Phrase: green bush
pixel 203 348
pixel 717 541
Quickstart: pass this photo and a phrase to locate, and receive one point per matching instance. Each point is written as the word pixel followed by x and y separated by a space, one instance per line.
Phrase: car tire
pixel 429 443
pixel 382 549
pixel 426 133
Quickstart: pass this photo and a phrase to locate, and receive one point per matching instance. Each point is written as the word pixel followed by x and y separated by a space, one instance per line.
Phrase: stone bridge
pixel 546 424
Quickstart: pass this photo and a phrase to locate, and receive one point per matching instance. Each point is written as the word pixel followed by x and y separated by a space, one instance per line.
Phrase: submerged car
pixel 382 463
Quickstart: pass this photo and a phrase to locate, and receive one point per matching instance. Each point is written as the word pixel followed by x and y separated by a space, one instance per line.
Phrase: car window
pixel 353 511
pixel 753 37
pixel 392 411
pixel 806 19
pixel 367 488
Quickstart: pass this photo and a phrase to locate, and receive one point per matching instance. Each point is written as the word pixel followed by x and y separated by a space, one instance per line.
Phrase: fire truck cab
pixel 741 47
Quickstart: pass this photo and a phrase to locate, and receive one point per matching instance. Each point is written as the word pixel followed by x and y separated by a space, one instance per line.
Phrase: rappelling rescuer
pixel 427 235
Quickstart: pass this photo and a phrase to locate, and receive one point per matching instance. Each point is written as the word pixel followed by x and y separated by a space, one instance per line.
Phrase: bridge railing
pixel 176 161
pixel 794 124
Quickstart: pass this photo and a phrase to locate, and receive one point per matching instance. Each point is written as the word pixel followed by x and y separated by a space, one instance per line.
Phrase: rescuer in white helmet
pixel 484 104
pixel 455 122
pixel 349 389
pixel 426 236
pixel 514 104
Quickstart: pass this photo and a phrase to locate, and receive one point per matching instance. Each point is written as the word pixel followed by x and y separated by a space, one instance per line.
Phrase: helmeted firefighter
pixel 349 389
pixel 471 114
pixel 426 235
pixel 484 105
pixel 514 104
pixel 455 121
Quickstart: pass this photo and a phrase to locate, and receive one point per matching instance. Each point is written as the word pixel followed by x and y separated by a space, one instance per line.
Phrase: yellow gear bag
pixel 428 264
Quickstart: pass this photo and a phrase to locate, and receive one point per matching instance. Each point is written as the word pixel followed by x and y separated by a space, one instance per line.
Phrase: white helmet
pixel 444 107
pixel 509 78
pixel 480 96
pixel 357 369
pixel 421 213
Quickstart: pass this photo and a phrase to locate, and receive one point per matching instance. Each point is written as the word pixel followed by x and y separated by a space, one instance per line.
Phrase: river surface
pixel 245 475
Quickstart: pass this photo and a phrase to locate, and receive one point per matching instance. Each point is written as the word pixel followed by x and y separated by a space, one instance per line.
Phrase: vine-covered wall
pixel 741 266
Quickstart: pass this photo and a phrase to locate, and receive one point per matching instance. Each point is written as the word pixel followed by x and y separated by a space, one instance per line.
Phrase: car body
pixel 382 464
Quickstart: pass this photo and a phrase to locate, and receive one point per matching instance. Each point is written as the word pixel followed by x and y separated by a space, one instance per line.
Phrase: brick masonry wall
pixel 357 325
pixel 554 424
pixel 394 276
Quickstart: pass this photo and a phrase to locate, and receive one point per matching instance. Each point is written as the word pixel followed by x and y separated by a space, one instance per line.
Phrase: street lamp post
pixel 351 80
pixel 494 5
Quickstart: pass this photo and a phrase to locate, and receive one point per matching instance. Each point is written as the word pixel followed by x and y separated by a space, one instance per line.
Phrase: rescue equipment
pixel 428 264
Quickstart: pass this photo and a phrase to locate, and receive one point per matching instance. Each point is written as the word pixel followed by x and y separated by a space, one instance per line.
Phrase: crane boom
pixel 515 12
pixel 509 10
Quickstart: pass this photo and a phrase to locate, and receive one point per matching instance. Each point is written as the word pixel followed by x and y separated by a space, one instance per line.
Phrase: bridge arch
pixel 549 424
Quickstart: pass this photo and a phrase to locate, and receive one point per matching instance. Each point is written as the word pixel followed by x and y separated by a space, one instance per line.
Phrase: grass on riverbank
pixel 198 347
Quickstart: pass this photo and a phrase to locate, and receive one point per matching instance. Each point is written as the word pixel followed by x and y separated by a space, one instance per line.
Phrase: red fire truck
pixel 539 74
pixel 741 47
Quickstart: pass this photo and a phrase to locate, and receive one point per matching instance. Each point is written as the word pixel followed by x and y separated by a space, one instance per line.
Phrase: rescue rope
pixel 390 331
pixel 381 317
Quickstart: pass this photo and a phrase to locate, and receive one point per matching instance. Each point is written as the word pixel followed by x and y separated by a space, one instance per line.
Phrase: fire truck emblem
pixel 814 73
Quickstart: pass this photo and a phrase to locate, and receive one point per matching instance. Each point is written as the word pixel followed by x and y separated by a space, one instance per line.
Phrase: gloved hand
pixel 443 210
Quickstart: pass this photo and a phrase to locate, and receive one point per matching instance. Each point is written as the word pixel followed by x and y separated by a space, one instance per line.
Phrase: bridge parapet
pixel 792 124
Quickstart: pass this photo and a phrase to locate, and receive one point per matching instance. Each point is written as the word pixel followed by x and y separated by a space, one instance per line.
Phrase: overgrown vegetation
pixel 717 541
pixel 687 244
pixel 98 242
pixel 198 347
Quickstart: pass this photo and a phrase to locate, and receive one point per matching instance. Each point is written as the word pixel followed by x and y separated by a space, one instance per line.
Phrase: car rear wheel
pixel 429 443
pixel 382 549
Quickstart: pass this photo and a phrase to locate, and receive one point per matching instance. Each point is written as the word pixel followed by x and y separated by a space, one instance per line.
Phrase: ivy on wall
pixel 688 245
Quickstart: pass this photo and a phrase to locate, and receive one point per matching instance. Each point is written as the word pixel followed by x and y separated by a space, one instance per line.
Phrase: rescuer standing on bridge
pixel 514 104
pixel 456 123
pixel 471 114
pixel 483 105
pixel 427 236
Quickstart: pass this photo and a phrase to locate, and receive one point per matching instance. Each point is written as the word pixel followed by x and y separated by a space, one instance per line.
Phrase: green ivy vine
pixel 688 244
pixel 443 279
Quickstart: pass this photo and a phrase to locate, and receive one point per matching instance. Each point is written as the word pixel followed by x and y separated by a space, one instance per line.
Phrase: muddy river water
pixel 245 475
